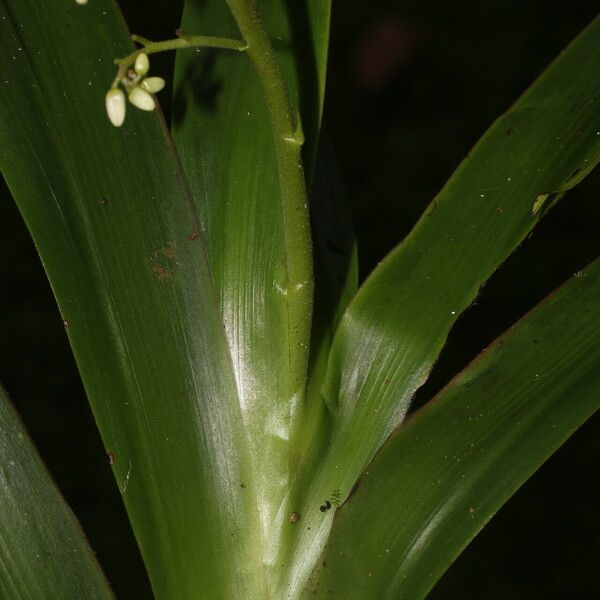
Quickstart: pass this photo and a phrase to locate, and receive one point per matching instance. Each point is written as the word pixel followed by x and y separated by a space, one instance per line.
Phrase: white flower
pixel 141 98
pixel 142 64
pixel 115 106
pixel 153 84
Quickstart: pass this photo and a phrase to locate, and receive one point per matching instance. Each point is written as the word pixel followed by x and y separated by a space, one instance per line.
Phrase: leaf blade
pixel 456 268
pixel 43 552
pixel 110 213
pixel 396 325
pixel 444 473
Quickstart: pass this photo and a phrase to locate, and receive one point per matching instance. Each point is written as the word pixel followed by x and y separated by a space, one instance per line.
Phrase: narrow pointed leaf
pixel 110 214
pixel 43 552
pixel 223 133
pixel 397 323
pixel 443 475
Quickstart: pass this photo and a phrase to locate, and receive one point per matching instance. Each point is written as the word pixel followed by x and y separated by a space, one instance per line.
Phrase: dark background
pixel 412 85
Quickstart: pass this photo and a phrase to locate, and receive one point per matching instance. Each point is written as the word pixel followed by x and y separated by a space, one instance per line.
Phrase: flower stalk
pixel 179 43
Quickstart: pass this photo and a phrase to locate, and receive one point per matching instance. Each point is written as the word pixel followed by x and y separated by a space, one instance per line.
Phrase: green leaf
pixel 443 475
pixel 112 219
pixel 43 552
pixel 223 133
pixel 397 323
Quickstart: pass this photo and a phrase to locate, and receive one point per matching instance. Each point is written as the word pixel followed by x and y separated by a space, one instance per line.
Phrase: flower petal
pixel 115 106
pixel 141 98
pixel 153 84
pixel 142 64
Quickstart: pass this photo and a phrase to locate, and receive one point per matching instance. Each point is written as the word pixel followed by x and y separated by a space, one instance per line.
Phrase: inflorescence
pixel 139 90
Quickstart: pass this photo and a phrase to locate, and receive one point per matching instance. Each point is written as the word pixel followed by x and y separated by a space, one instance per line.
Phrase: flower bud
pixel 81 2
pixel 142 64
pixel 153 84
pixel 115 106
pixel 141 98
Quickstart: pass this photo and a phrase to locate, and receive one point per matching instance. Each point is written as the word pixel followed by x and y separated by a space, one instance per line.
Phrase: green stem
pixel 185 41
pixel 288 139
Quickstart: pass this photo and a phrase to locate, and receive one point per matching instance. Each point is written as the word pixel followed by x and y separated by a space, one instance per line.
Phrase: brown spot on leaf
pixel 111 458
pixel 294 517
pixel 101 201
pixel 163 263
pixel 160 271
pixel 192 236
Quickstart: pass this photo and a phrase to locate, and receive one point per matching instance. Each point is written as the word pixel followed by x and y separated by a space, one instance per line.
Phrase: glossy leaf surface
pixel 443 475
pixel 43 552
pixel 394 328
pixel 223 133
pixel 112 219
